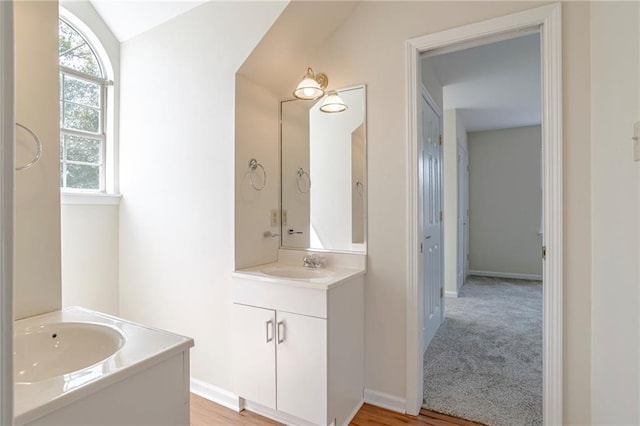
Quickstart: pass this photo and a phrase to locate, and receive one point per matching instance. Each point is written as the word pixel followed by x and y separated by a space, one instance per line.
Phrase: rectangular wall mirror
pixel 323 174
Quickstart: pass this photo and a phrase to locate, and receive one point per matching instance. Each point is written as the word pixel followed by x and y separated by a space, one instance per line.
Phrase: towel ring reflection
pixel 253 166
pixel 300 174
pixel 38 148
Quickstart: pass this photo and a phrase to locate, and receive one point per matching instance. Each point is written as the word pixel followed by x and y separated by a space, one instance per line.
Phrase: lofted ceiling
pixel 129 18
pixel 493 86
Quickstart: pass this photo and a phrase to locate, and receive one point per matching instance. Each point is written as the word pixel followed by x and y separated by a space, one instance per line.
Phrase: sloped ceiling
pixel 279 61
pixel 127 19
pixel 493 86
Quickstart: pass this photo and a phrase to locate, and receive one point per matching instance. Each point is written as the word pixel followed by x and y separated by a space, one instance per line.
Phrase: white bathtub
pixel 79 367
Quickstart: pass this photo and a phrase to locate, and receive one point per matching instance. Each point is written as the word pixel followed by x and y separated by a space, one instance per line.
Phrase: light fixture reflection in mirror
pixel 333 103
pixel 330 149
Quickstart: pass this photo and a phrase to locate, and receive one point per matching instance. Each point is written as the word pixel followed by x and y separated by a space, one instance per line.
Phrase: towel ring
pixel 300 174
pixel 38 148
pixel 253 166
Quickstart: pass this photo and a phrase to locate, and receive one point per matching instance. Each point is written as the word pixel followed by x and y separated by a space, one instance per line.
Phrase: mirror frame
pixel 365 170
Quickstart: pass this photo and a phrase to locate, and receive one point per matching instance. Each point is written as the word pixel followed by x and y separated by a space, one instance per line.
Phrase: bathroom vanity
pixel 298 339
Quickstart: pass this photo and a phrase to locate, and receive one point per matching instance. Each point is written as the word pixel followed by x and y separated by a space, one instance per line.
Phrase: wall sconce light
pixel 312 85
pixel 333 103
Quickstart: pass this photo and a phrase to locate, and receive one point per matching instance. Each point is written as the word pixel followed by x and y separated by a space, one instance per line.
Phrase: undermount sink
pixel 291 271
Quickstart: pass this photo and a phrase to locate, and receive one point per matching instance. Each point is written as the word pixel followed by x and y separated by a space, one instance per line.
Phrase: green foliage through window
pixel 82 107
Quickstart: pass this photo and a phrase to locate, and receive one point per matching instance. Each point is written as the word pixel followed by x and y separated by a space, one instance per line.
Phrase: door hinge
pixel 420 247
pixel 544 252
pixel 440 140
pixel 440 215
pixel 441 292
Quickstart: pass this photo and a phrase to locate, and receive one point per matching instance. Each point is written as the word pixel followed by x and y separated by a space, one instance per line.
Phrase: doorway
pixel 546 21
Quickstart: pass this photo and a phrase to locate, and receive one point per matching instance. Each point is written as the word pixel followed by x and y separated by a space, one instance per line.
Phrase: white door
pixel 432 223
pixel 302 366
pixel 254 354
pixel 463 209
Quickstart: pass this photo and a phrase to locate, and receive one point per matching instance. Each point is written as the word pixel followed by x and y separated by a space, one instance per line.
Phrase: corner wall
pixel 177 175
pixel 257 112
pixel 454 134
pixel 37 190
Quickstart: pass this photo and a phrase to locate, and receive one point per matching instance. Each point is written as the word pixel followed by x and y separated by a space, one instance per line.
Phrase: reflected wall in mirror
pixel 323 166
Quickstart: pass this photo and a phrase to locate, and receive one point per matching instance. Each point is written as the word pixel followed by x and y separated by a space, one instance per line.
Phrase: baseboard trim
pixel 506 275
pixel 274 415
pixel 384 400
pixel 354 413
pixel 215 394
pixel 451 294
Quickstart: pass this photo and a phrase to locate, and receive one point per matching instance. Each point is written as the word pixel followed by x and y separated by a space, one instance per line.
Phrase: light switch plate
pixel 274 218
pixel 636 141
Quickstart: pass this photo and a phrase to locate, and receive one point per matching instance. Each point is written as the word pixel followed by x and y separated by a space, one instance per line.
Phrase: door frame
pixel 547 21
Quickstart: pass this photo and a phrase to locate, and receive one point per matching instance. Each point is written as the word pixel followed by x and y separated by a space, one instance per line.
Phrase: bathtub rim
pixel 44 397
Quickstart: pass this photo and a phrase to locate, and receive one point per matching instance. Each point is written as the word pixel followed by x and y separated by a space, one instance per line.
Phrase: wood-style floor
pixel 207 413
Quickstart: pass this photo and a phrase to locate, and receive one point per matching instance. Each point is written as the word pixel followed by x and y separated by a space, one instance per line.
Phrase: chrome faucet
pixel 314 261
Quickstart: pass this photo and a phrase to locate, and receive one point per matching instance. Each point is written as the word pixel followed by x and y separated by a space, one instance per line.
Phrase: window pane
pixel 68 38
pixel 82 149
pixel 81 118
pixel 75 53
pixel 81 92
pixel 83 177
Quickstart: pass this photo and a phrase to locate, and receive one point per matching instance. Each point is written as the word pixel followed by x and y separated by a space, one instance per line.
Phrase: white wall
pixel 369 48
pixel 454 134
pixel 257 137
pixel 505 201
pixel 37 191
pixel 615 213
pixel 177 175
pixel 90 257
pixel 89 231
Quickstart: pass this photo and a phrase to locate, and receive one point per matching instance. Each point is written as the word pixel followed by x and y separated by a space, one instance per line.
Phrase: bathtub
pixel 79 367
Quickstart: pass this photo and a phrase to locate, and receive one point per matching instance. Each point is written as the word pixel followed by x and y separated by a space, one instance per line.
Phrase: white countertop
pixel 339 275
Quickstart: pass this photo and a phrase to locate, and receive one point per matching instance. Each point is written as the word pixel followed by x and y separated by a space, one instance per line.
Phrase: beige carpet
pixel 485 362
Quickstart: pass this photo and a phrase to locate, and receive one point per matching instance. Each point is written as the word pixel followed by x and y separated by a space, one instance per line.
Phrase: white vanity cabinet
pixel 283 361
pixel 298 348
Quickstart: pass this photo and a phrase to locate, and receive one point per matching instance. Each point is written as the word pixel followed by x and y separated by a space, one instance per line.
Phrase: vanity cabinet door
pixel 254 356
pixel 302 366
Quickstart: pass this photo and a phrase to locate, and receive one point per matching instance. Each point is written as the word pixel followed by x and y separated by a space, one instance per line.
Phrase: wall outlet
pixel 284 217
pixel 274 218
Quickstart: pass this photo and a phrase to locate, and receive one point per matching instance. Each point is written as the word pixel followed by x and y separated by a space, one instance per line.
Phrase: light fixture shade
pixel 312 86
pixel 333 103
pixel 308 89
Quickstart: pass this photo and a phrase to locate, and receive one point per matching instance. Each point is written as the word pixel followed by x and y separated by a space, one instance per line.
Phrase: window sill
pixel 89 199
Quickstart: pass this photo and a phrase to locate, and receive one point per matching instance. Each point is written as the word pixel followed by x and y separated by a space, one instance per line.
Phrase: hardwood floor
pixel 207 413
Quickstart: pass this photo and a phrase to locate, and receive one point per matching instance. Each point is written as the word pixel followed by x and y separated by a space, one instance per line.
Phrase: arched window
pixel 83 92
